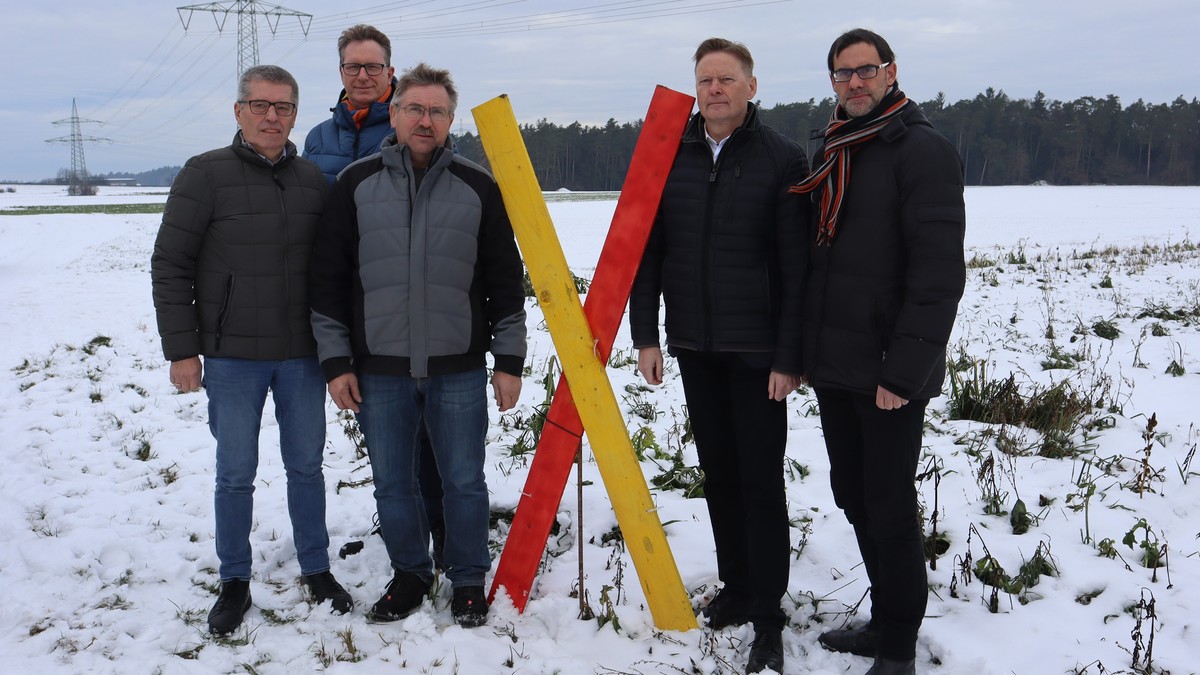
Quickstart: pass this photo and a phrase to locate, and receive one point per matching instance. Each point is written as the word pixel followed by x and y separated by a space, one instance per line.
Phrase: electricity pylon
pixel 80 183
pixel 246 11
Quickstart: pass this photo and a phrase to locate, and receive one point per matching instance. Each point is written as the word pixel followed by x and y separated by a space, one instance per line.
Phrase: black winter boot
pixel 232 604
pixel 469 607
pixel 860 641
pixel 889 667
pixel 322 586
pixel 727 608
pixel 766 652
pixel 404 595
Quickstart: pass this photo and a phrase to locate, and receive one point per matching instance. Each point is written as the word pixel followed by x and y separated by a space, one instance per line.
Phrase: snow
pixel 105 498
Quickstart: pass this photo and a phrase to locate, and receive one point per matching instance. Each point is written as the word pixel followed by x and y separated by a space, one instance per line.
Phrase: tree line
pixel 1001 141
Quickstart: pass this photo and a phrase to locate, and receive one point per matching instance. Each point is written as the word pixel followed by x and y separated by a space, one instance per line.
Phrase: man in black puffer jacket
pixel 886 276
pixel 726 256
pixel 230 283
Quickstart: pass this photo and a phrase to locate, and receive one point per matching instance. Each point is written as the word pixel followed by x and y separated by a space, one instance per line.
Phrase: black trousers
pixel 740 435
pixel 873 458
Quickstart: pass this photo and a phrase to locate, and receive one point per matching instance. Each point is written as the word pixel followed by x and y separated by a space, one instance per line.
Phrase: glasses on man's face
pixel 352 69
pixel 863 72
pixel 415 111
pixel 260 107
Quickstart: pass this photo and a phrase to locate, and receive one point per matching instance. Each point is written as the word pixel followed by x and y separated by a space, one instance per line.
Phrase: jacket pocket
pixel 882 323
pixel 226 305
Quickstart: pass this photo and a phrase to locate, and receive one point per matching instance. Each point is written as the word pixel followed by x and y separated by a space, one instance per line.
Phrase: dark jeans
pixel 740 437
pixel 237 391
pixel 453 410
pixel 430 482
pixel 873 458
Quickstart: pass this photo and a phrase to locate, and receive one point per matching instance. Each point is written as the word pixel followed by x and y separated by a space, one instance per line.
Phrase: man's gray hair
pixel 422 75
pixel 267 74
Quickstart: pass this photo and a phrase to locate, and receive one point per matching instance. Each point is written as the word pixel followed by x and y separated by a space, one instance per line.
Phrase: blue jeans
pixel 454 408
pixel 237 390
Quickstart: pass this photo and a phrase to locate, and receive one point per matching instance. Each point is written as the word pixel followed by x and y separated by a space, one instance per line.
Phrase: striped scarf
pixel 842 137
pixel 360 114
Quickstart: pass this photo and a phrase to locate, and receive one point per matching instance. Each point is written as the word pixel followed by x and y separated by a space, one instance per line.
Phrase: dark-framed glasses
pixel 373 69
pixel 415 111
pixel 260 107
pixel 863 72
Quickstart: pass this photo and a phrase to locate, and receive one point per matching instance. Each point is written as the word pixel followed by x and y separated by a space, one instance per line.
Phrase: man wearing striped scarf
pixel 886 274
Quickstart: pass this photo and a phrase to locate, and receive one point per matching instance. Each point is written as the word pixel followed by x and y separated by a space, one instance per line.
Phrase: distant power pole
pixel 80 183
pixel 246 11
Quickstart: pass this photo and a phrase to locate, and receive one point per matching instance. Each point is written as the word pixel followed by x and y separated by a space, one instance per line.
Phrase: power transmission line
pixel 247 11
pixel 80 184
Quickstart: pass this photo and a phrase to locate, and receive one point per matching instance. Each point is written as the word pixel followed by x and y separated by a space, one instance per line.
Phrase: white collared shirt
pixel 714 144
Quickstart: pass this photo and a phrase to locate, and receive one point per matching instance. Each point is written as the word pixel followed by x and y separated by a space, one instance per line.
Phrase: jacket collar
pixel 379 110
pixel 695 127
pixel 247 152
pixel 397 155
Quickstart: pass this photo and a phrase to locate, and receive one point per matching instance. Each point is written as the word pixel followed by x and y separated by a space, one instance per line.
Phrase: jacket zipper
pixel 287 284
pixel 225 307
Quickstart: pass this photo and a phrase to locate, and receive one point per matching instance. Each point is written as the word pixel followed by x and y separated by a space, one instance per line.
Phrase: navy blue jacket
pixel 338 141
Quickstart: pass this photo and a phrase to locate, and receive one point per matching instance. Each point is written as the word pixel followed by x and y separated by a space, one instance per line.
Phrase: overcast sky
pixel 162 93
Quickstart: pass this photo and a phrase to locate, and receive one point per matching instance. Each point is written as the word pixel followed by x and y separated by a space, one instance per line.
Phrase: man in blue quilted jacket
pixel 360 120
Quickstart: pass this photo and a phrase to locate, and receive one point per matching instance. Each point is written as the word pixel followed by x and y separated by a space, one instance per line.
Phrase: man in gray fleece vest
pixel 415 278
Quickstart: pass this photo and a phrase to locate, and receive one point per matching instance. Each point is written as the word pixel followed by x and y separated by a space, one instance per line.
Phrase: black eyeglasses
pixel 863 72
pixel 352 69
pixel 416 111
pixel 260 107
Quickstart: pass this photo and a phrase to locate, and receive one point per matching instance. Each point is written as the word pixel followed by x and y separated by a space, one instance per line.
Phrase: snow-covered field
pixel 105 496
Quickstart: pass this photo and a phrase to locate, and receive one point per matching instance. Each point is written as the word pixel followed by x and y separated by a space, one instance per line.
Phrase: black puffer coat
pixel 230 265
pixel 881 300
pixel 727 249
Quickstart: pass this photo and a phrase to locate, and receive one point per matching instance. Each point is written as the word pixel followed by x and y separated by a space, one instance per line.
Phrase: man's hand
pixel 186 374
pixel 886 400
pixel 780 385
pixel 650 364
pixel 507 389
pixel 343 389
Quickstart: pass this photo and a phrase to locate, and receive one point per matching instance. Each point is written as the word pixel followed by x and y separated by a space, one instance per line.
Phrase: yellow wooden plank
pixel 594 398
